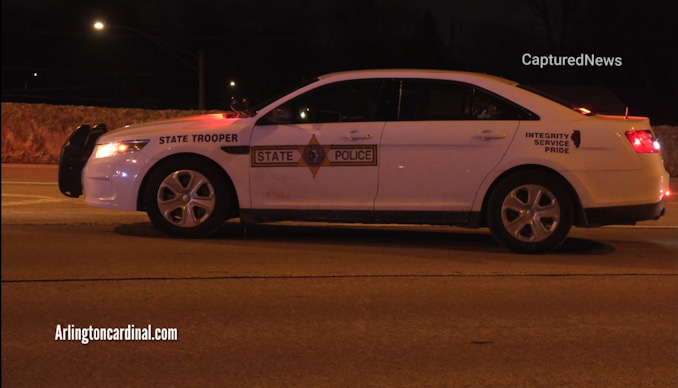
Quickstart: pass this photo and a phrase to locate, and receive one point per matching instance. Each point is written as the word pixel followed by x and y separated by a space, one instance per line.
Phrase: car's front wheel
pixel 530 212
pixel 187 197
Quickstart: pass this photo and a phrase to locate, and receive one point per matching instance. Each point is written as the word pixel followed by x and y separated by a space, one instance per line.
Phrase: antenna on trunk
pixel 626 115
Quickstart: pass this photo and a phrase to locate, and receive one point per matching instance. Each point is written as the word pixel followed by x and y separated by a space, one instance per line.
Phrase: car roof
pixel 414 73
pixel 542 106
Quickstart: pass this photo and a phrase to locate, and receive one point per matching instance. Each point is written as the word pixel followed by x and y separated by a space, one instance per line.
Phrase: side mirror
pixel 239 105
pixel 280 116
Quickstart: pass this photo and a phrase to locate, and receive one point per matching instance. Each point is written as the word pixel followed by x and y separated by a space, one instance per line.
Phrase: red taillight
pixel 643 142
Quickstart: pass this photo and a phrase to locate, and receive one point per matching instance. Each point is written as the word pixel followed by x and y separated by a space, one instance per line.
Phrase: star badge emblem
pixel 314 155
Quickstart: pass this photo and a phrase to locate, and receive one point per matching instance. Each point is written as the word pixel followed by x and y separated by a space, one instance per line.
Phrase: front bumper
pixel 114 182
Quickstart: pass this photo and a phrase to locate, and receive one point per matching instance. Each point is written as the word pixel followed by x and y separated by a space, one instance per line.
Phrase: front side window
pixel 426 100
pixel 347 101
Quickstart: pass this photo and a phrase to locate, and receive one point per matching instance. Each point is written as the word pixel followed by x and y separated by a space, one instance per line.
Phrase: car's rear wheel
pixel 530 212
pixel 187 197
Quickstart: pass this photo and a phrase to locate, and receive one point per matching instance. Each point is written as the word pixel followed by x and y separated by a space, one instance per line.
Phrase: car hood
pixel 212 121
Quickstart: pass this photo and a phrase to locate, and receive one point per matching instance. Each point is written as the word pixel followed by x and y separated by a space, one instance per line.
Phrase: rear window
pixel 561 101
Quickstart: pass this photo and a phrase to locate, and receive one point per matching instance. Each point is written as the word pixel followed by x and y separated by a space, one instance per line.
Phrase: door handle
pixel 359 137
pixel 489 135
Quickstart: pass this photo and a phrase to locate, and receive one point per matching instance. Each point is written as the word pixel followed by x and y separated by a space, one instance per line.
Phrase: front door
pixel 320 151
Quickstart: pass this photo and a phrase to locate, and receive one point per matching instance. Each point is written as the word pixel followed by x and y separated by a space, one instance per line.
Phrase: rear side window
pixel 433 100
pixel 426 100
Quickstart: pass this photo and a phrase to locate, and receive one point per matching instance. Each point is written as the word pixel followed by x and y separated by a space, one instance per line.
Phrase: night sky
pixel 51 53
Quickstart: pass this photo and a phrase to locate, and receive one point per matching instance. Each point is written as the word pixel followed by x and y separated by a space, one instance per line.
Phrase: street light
pixel 174 51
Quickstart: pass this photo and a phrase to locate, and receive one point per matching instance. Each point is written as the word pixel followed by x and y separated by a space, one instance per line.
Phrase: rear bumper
pixel 624 215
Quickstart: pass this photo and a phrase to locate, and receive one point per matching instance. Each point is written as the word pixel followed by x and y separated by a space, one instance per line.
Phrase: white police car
pixel 382 146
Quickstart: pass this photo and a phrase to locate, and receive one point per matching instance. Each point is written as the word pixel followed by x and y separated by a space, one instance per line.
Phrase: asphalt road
pixel 328 305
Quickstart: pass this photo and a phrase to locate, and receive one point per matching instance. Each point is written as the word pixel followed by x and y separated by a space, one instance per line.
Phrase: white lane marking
pixel 29 183
pixel 642 226
pixel 29 199
pixel 36 199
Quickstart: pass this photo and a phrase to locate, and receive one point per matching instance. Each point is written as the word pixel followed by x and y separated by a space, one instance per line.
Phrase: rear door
pixel 447 138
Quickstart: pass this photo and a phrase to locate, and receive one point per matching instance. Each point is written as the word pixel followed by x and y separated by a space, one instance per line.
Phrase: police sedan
pixel 382 146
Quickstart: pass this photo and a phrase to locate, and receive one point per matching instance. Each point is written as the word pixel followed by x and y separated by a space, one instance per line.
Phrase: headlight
pixel 117 148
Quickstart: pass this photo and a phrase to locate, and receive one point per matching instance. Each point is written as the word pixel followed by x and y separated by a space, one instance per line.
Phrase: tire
pixel 530 212
pixel 187 197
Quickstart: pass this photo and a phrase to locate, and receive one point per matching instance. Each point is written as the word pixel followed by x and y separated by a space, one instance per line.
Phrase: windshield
pixel 251 112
